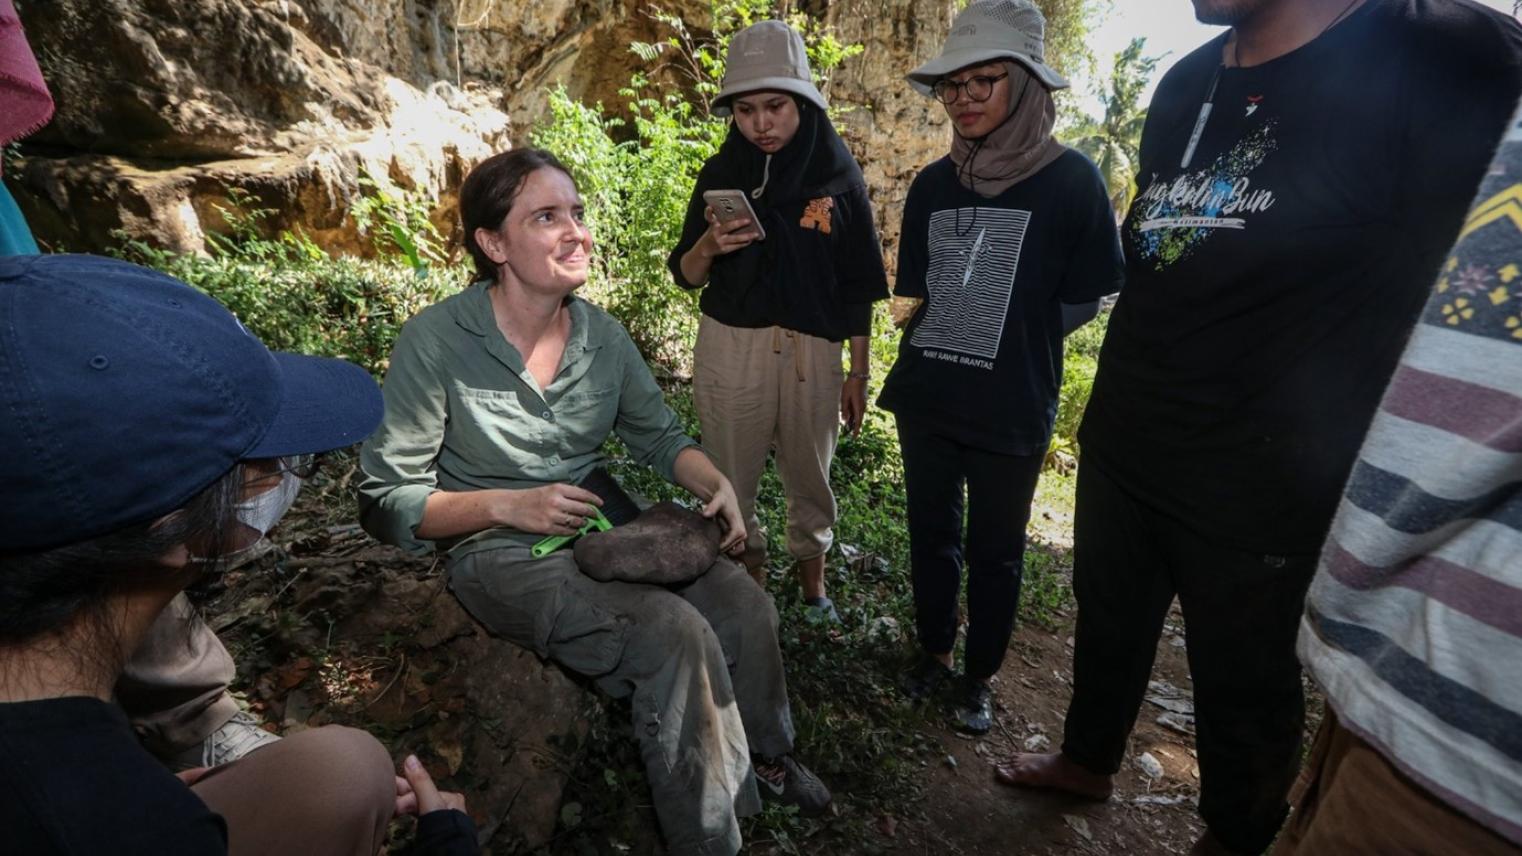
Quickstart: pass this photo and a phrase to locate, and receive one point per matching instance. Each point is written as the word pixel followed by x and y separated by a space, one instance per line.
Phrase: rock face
pixel 896 131
pixel 665 545
pixel 164 105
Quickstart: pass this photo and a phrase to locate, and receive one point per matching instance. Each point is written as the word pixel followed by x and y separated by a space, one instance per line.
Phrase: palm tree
pixel 1113 142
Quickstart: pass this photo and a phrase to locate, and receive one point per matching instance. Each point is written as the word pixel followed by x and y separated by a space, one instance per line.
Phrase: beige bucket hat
pixel 989 30
pixel 766 55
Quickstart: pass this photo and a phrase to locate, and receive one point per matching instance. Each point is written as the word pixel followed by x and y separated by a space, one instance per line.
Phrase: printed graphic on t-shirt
pixel 974 254
pixel 1171 218
pixel 817 214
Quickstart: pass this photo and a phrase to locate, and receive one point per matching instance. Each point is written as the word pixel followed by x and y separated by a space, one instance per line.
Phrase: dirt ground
pixel 386 661
pixel 967 812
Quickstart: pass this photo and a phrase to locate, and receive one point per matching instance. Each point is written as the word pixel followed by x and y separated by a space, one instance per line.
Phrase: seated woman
pixel 149 437
pixel 498 400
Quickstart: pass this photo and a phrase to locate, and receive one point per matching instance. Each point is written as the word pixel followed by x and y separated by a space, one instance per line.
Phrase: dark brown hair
pixel 42 591
pixel 488 194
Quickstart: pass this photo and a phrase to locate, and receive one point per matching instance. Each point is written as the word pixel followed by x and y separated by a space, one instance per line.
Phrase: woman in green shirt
pixel 498 400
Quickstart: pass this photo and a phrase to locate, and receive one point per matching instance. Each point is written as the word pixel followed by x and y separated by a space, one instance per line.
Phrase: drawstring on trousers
pixel 777 334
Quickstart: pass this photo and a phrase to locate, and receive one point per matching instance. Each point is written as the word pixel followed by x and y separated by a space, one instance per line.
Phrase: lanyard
pixel 1199 124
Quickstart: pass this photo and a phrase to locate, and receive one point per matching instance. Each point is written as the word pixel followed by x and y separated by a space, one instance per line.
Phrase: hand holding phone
pixel 734 221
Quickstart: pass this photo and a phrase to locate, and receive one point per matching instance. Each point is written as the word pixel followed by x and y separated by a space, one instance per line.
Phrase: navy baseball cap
pixel 125 392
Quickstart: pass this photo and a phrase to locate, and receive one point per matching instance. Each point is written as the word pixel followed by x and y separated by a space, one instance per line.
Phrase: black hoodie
pixel 821 265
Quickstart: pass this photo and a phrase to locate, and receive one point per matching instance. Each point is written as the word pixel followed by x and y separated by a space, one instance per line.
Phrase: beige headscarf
pixel 1017 149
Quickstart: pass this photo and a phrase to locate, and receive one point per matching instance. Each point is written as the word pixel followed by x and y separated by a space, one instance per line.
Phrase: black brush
pixel 617 505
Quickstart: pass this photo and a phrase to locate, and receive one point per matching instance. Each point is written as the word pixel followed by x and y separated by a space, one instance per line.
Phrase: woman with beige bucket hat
pixel 1007 243
pixel 780 295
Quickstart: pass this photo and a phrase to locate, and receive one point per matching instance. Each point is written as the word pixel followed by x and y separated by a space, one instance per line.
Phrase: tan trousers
pixel 328 790
pixel 174 687
pixel 770 389
pixel 1350 801
pixel 700 664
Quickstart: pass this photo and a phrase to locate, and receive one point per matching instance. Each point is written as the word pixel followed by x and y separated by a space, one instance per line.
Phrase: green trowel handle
pixel 555 542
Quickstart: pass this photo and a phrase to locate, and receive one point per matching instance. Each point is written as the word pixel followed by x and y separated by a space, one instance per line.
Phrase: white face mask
pixel 259 515
pixel 265 510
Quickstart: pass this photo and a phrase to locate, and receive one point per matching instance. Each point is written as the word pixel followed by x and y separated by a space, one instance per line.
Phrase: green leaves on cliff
pixel 294 296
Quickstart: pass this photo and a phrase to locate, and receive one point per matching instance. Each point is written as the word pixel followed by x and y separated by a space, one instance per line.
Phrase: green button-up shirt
pixel 464 413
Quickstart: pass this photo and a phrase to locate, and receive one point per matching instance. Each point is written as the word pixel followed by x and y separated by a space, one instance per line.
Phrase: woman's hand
pixel 853 404
pixel 725 507
pixel 417 794
pixel 555 509
pixel 724 238
pixel 694 471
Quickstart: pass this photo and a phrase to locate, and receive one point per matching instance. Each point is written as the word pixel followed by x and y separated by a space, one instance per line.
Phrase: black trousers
pixel 1241 614
pixel 999 491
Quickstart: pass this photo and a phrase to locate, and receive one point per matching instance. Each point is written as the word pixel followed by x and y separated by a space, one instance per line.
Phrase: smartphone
pixel 730 205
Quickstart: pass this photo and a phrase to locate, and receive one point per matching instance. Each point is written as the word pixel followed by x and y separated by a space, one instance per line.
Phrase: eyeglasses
pixel 301 466
pixel 978 88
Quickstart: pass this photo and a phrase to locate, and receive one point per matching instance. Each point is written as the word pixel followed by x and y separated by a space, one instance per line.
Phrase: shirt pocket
pixel 495 427
pixel 585 416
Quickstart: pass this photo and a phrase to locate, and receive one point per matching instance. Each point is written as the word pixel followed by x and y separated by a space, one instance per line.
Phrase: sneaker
pixel 974 713
pixel 822 609
pixel 236 738
pixel 926 678
pixel 786 781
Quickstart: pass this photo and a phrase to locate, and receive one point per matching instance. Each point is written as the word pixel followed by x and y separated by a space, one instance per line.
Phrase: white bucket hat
pixel 989 30
pixel 766 55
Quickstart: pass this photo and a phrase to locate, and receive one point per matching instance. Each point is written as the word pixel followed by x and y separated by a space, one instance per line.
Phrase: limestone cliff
pixel 163 105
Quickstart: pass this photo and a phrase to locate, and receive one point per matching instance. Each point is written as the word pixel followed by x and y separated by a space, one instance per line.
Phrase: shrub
pixel 296 297
pixel 1079 365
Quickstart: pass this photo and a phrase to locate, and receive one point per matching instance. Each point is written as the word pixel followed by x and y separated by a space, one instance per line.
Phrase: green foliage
pixel 1113 141
pixel 1069 23
pixel 637 169
pixel 294 296
pixel 1080 363
pixel 397 222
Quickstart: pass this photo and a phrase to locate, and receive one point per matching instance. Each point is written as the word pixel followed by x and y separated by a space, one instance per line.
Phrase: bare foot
pixel 1054 771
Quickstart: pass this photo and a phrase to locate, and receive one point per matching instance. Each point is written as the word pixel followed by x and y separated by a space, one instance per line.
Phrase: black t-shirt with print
pixel 981 361
pixel 1271 282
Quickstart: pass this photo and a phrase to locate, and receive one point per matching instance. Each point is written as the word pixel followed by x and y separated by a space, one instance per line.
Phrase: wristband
pixel 859 375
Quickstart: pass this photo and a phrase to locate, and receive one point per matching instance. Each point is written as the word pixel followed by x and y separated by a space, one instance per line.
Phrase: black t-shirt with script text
pixel 1271 282
pixel 981 361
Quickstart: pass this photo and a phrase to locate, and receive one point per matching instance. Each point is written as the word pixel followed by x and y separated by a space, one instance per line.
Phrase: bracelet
pixel 859 375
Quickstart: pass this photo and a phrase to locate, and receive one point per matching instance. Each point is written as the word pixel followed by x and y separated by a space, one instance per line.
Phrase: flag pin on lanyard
pixel 1199 124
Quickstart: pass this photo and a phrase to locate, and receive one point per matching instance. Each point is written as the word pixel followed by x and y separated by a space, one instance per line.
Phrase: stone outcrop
pixel 164 105
pixel 894 131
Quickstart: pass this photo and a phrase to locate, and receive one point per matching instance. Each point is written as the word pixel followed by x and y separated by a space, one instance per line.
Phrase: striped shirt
pixel 1413 625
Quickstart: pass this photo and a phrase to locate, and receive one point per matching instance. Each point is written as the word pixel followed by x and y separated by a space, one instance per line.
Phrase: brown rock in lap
pixel 665 545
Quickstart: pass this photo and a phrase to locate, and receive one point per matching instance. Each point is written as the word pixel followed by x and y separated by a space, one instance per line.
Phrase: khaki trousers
pixel 699 662
pixel 771 389
pixel 329 790
pixel 174 687
pixel 1350 801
